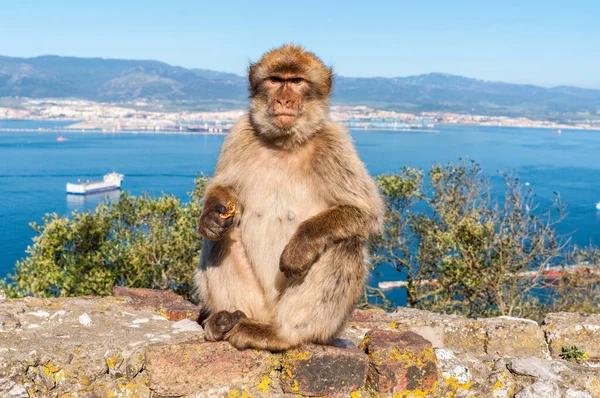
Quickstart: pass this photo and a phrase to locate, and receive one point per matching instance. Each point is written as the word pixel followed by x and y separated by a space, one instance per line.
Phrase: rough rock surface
pixel 400 362
pixel 126 346
pixel 582 330
pixel 314 370
pixel 166 303
pixel 81 346
pixel 190 367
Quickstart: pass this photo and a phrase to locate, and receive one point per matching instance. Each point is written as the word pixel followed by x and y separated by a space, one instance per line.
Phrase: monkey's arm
pixel 215 220
pixel 313 235
pixel 356 206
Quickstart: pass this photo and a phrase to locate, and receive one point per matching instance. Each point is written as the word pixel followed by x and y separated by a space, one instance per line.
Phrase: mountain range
pixel 117 80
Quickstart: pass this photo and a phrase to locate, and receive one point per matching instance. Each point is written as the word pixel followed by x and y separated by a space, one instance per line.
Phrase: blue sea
pixel 34 169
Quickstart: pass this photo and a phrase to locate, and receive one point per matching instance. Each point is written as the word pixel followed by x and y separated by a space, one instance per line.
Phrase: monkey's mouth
pixel 285 118
pixel 289 113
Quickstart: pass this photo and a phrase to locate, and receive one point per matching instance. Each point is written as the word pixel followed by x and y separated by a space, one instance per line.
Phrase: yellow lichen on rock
pixel 503 386
pixel 456 385
pixel 59 376
pixel 410 359
pixel 295 386
pixel 240 394
pixel 299 355
pixel 163 313
pixel 415 392
pixel 593 386
pixel 49 369
pixel 264 384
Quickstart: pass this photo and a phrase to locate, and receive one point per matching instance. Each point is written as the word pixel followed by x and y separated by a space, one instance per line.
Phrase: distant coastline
pixel 151 85
pixel 176 132
pixel 100 131
pixel 101 117
pixel 103 129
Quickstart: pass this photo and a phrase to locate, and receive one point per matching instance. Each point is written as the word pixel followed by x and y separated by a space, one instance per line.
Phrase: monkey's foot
pixel 251 334
pixel 220 323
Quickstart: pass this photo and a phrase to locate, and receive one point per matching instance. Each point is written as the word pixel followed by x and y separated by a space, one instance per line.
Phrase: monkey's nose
pixel 284 102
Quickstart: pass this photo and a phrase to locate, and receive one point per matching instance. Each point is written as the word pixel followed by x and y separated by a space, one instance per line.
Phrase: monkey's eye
pixel 297 80
pixel 275 79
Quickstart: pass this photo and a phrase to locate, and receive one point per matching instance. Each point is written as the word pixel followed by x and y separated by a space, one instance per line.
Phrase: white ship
pixel 111 182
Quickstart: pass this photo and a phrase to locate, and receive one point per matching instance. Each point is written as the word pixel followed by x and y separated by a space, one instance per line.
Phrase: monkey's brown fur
pixel 288 267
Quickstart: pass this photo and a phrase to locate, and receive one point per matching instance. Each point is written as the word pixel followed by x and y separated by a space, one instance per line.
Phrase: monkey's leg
pixel 227 287
pixel 313 309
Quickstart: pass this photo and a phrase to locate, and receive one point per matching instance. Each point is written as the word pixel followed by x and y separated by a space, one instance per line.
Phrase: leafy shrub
pixel 135 241
pixel 461 250
pixel 464 252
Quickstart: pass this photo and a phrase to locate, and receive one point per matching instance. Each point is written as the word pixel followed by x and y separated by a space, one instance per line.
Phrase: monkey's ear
pixel 323 80
pixel 329 80
pixel 256 74
pixel 252 77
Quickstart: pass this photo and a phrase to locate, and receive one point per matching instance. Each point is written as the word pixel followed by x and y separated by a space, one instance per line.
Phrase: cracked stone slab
pixel 565 329
pixel 540 389
pixel 539 368
pixel 453 332
pixel 570 393
pixel 198 366
pixel 453 371
pixel 49 346
pixel 317 370
pixel 168 304
pixel 514 337
pixel 400 363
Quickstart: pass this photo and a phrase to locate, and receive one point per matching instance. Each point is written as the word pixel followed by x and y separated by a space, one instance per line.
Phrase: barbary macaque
pixel 287 215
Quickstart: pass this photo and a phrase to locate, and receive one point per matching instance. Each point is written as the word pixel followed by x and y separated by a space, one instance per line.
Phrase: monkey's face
pixel 290 91
pixel 285 94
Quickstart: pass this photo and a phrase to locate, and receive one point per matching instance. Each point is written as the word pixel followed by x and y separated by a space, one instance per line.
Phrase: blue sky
pixel 540 42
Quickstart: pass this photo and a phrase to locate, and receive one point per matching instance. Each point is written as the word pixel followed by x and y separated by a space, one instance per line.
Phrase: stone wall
pixel 144 343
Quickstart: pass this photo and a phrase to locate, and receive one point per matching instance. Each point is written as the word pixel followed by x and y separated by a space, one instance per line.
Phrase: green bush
pixel 467 253
pixel 135 241
pixel 462 250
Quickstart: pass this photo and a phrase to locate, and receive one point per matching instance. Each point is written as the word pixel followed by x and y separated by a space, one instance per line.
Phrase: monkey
pixel 288 266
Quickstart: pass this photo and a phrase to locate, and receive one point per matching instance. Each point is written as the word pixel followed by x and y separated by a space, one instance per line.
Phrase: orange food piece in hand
pixel 230 211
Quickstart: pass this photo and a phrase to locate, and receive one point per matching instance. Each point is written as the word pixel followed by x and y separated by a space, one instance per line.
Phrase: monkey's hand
pixel 300 254
pixel 216 219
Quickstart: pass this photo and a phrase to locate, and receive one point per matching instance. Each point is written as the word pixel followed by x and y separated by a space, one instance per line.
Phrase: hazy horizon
pixel 543 43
